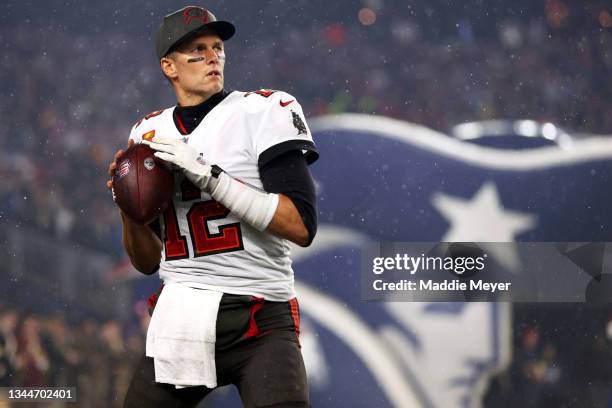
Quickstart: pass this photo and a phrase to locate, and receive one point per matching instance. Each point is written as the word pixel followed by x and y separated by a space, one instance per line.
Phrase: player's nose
pixel 211 56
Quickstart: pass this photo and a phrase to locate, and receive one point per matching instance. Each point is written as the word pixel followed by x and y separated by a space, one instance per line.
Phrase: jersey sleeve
pixel 144 128
pixel 283 128
pixel 138 131
pixel 134 135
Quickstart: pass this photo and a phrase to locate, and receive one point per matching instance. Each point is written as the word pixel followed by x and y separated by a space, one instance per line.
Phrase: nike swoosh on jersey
pixel 283 104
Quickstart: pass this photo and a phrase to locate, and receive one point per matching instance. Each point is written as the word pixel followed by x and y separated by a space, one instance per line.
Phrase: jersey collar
pixel 187 118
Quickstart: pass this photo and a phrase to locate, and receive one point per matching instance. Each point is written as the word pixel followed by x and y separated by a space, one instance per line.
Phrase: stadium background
pixel 76 75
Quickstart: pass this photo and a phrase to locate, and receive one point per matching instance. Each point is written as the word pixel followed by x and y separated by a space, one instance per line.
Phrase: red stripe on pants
pixel 295 313
pixel 253 329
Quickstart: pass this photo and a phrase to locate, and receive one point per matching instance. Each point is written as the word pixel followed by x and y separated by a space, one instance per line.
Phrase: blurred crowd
pixel 560 359
pixel 70 101
pixel 98 358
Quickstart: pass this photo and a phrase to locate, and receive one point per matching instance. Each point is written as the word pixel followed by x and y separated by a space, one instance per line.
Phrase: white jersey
pixel 204 244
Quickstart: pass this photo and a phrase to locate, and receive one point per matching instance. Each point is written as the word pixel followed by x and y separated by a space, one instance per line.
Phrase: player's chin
pixel 215 84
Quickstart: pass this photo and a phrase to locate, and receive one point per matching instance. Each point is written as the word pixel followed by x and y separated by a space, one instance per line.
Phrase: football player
pixel 243 190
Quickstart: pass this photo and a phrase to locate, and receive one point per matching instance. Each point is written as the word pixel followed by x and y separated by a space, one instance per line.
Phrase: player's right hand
pixel 186 158
pixel 113 165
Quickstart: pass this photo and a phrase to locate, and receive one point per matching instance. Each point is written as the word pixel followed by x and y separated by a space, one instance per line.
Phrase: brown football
pixel 143 185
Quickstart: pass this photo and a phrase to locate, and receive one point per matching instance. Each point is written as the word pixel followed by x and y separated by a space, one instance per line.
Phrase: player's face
pixel 199 65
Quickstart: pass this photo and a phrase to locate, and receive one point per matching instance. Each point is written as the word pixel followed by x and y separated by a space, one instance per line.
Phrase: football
pixel 143 185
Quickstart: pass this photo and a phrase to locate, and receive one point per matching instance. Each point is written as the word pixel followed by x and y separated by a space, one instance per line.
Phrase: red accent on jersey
pixel 295 313
pixel 149 116
pixel 263 92
pixel 229 237
pixel 175 244
pixel 153 114
pixel 182 127
pixel 253 329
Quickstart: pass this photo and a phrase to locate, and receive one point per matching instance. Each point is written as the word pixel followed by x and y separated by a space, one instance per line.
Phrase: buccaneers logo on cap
pixel 195 13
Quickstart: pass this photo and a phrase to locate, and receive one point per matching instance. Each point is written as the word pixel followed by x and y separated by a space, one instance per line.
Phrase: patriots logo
pixel 398 181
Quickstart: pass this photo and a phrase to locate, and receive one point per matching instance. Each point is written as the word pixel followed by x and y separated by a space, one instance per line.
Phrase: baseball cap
pixel 182 24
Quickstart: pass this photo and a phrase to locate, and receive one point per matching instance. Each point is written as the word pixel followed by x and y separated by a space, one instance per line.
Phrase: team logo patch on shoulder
pixel 149 135
pixel 124 168
pixel 298 123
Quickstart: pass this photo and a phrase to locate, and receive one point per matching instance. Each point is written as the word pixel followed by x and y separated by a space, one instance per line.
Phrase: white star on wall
pixel 484 219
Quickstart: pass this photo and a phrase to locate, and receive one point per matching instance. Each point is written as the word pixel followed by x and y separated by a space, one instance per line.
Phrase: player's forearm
pixel 287 222
pixel 142 246
pixel 274 213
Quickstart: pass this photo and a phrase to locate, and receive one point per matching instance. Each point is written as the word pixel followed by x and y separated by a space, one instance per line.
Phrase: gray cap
pixel 186 22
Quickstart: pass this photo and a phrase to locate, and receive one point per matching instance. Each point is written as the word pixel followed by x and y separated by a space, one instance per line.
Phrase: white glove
pixel 186 158
pixel 250 204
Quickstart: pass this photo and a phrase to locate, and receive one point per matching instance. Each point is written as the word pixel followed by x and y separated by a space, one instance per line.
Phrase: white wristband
pixel 254 206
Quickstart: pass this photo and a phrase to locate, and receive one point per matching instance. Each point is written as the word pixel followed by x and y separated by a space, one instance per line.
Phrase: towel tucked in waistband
pixel 182 334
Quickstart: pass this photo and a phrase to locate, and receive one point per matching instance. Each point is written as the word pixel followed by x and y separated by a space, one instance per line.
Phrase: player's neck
pixel 191 99
pixel 203 108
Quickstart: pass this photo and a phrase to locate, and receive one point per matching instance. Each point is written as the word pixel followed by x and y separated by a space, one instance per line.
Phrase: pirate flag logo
pixel 298 123
pixel 195 13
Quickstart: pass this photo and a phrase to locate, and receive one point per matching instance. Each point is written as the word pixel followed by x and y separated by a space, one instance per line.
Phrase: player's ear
pixel 168 66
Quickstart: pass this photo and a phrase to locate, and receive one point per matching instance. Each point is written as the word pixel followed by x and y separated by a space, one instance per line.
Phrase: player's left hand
pixel 184 157
pixel 111 169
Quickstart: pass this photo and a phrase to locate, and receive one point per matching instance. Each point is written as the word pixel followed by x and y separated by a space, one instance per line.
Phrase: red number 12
pixel 204 242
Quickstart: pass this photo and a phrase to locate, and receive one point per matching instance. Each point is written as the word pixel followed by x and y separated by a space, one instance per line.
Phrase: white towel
pixel 182 334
